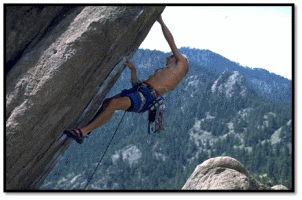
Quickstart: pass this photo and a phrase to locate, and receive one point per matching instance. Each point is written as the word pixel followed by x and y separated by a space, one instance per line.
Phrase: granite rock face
pixel 222 173
pixel 60 64
pixel 23 30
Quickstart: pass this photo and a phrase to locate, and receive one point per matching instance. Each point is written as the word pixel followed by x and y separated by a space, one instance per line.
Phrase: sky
pixel 253 36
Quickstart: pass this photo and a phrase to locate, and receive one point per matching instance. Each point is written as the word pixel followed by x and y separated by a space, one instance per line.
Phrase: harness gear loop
pixel 155 115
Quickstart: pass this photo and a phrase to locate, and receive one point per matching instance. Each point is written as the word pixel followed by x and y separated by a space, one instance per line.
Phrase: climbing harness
pixel 155 109
pixel 104 152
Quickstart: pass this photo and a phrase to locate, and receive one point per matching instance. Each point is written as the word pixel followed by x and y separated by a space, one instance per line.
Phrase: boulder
pixel 62 62
pixel 279 187
pixel 222 173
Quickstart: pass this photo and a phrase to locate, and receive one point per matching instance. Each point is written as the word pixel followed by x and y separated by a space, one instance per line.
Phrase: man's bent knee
pixel 120 103
pixel 106 102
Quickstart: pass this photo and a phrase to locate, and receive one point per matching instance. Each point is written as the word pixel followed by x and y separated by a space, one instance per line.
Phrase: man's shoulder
pixel 181 67
pixel 182 63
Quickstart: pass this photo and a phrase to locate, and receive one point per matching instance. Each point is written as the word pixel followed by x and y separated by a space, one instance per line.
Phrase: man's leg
pixel 106 112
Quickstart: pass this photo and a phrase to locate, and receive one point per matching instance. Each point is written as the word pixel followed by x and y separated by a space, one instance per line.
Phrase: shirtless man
pixel 139 97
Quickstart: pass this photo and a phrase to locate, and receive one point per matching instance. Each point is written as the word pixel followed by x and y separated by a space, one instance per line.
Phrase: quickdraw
pixel 155 115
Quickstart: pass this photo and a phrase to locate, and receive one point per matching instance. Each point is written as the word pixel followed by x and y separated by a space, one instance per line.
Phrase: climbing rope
pixel 108 143
pixel 104 152
pixel 90 178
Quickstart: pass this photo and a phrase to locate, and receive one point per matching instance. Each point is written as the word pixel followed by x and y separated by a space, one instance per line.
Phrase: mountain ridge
pixel 266 84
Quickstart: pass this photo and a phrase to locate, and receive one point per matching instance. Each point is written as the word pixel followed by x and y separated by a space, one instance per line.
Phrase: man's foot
pixel 75 134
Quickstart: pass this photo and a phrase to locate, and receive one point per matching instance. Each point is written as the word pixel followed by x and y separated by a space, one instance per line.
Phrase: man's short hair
pixel 184 55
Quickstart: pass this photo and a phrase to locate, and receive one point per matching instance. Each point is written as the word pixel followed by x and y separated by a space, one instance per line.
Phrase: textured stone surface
pixel 60 77
pixel 222 173
pixel 23 30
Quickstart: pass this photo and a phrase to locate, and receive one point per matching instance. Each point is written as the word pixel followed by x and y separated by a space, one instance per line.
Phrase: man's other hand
pixel 129 64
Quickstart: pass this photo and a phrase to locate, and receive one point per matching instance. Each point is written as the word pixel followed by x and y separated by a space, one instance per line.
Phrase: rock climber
pixel 138 100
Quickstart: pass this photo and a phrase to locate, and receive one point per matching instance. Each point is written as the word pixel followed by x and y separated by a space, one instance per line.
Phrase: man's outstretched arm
pixel 130 65
pixel 169 37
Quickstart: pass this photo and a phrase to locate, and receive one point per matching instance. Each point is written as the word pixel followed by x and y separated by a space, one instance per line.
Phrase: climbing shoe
pixel 75 134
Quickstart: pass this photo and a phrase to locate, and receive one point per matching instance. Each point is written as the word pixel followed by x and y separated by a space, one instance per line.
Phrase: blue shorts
pixel 136 99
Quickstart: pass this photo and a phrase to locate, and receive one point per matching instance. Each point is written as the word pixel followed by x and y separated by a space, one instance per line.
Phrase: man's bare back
pixel 168 78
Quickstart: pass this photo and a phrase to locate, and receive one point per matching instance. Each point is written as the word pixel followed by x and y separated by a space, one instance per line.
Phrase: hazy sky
pixel 255 36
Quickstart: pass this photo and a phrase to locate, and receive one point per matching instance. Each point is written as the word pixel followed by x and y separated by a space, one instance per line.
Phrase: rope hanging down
pixel 104 152
pixel 108 143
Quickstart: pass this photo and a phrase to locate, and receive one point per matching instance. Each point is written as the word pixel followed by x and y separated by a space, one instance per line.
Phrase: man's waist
pixel 151 87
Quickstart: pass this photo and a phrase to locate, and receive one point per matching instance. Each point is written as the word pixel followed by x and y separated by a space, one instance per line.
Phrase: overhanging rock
pixel 58 76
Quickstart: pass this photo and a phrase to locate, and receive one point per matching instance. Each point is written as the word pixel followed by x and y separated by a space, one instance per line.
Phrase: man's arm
pixel 130 65
pixel 169 37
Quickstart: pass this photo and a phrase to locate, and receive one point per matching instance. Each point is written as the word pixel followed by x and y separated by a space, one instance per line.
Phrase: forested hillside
pixel 255 129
